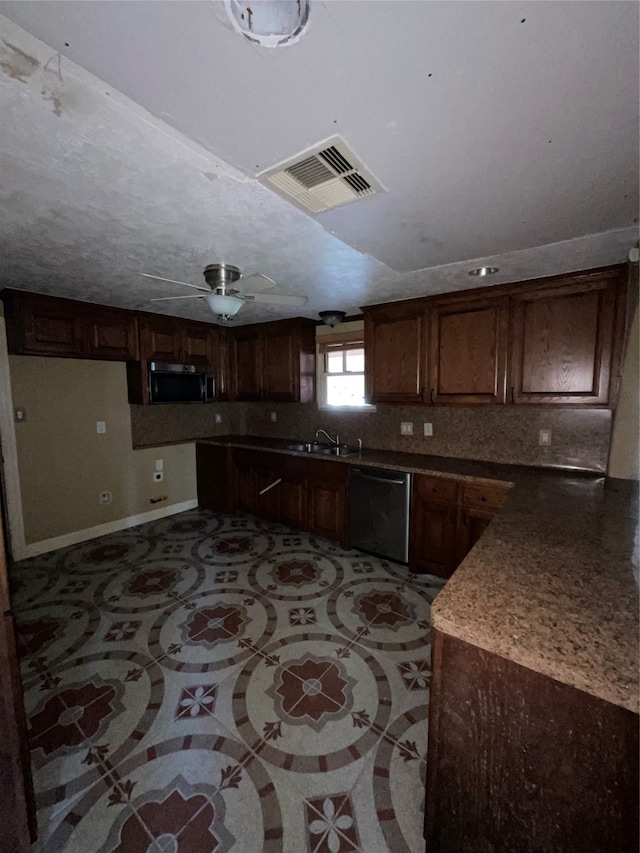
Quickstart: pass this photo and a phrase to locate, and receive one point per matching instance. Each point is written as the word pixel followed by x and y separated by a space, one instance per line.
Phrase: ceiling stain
pixel 16 63
pixel 48 95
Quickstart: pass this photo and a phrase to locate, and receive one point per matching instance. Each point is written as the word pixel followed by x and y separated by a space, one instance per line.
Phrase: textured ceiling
pixel 95 184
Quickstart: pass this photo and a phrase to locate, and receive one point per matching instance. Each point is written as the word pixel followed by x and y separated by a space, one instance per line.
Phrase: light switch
pixel 544 437
pixel 159 464
pixel 406 428
pixel 101 427
pixel 218 418
pixel 428 429
pixel 19 416
pixel 274 417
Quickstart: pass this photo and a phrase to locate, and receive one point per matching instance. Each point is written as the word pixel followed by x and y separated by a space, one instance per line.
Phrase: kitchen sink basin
pixel 323 449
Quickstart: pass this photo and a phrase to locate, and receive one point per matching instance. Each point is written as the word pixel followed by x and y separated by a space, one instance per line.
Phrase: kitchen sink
pixel 323 449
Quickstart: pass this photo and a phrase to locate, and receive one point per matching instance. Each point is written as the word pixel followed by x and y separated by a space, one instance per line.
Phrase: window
pixel 341 373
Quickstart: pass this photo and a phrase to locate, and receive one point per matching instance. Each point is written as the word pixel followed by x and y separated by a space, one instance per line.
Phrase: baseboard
pixel 37 548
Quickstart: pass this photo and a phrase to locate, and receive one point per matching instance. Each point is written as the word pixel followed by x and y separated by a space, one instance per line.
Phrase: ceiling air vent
pixel 326 176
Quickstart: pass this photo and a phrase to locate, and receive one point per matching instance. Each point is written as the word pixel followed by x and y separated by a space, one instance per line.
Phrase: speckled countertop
pixel 552 584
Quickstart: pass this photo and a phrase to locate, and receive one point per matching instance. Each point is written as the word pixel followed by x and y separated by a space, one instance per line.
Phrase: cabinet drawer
pixel 437 488
pixel 484 496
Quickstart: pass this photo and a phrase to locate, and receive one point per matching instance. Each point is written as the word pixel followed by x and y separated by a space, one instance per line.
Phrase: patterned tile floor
pixel 211 683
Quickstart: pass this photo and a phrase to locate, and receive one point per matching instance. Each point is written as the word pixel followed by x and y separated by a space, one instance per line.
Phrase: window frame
pixel 340 342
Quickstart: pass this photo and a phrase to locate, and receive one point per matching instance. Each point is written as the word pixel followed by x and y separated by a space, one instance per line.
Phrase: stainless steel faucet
pixel 335 440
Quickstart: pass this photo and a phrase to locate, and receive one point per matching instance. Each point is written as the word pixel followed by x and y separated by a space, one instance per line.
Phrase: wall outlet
pixel 105 497
pixel 101 427
pixel 159 464
pixel 158 476
pixel 544 437
pixel 218 418
pixel 274 417
pixel 428 430
pixel 406 428
pixel 19 416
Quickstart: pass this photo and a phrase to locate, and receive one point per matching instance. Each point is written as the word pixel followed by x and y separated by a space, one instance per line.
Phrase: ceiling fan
pixel 223 299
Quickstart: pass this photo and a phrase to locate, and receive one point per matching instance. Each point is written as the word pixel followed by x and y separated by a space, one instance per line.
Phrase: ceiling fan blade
pixel 277 298
pixel 171 298
pixel 257 282
pixel 173 281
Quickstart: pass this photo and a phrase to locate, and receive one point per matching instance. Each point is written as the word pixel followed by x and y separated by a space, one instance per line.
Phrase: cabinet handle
pixel 271 486
pixel 513 394
pixel 432 395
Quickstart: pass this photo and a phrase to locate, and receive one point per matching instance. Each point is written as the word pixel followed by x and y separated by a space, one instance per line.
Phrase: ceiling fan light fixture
pixel 225 306
pixel 332 318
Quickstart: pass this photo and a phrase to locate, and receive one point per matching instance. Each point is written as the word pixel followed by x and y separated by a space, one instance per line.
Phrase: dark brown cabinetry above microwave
pixel 554 341
pixel 49 326
pixel 172 340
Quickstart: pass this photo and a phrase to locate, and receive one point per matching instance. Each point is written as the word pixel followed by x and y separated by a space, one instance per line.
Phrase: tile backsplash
pixel 579 437
pixel 167 423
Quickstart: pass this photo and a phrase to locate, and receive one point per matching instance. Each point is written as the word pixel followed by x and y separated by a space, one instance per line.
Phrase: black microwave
pixel 180 383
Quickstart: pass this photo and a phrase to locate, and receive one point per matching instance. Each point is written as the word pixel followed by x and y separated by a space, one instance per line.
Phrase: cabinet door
pixel 162 340
pixel 480 502
pixel 432 538
pixel 468 343
pixel 280 376
pixel 473 523
pixel 561 343
pixel 50 327
pixel 246 492
pixel 327 495
pixel 293 493
pixel 212 472
pixel 220 360
pixel 112 335
pixel 197 345
pixel 394 355
pixel 268 485
pixel 247 366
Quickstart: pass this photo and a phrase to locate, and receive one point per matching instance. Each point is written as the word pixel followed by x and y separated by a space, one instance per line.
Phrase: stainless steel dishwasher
pixel 379 512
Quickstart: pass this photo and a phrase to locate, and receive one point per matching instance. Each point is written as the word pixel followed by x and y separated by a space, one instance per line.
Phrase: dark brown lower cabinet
pixel 447 519
pixel 433 525
pixel 520 762
pixel 213 464
pixel 306 494
pixel 327 507
pixel 293 493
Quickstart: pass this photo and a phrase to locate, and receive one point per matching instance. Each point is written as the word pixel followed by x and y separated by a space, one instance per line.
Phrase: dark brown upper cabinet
pixel 274 361
pixel 49 326
pixel 553 341
pixel 394 347
pixel 566 341
pixel 246 359
pixel 112 334
pixel 173 340
pixel 468 351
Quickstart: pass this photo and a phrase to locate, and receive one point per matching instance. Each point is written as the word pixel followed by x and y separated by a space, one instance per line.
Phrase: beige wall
pixel 624 459
pixel 64 464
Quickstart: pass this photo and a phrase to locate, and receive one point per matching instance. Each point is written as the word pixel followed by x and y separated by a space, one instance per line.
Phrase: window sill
pixel 324 407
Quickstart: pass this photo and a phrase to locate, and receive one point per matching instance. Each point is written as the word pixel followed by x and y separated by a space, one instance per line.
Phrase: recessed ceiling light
pixel 482 271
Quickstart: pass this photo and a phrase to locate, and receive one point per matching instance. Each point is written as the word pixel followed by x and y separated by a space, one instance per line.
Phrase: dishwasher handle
pixel 357 472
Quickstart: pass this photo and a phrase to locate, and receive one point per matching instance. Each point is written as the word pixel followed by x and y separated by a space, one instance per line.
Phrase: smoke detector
pixel 323 177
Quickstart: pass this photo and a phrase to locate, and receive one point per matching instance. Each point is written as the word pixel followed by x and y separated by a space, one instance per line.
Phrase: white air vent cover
pixel 325 176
